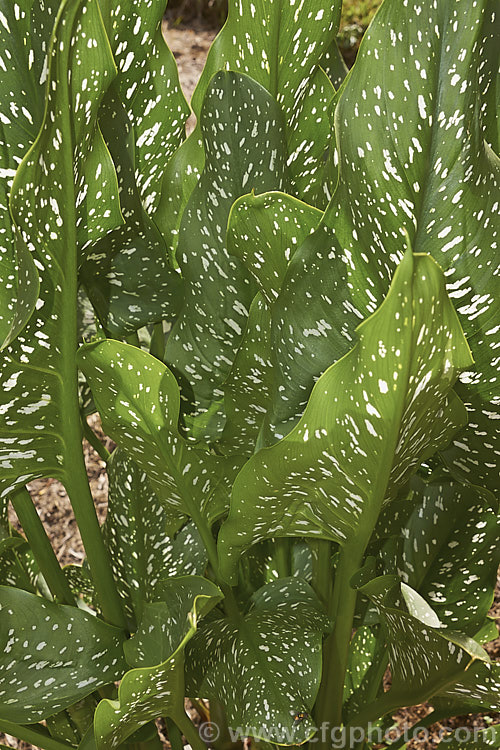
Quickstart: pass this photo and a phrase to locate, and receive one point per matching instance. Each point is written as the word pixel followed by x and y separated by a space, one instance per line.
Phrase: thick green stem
pixel 189 731
pixel 40 546
pixel 98 558
pixel 230 603
pixel 75 476
pixel 336 648
pixel 157 345
pixel 94 441
pixel 33 736
pixel 322 578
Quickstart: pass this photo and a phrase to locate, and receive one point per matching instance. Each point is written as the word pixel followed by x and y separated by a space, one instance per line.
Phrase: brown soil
pixel 190 48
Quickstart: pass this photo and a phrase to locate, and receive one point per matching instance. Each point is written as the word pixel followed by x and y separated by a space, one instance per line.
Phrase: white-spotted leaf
pixel 50 202
pixel 52 656
pixel 156 688
pixel 264 667
pixel 138 399
pixel 412 155
pixel 370 421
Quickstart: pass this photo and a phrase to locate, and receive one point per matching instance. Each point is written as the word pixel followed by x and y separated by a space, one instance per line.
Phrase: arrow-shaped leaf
pixel 411 154
pixel 371 419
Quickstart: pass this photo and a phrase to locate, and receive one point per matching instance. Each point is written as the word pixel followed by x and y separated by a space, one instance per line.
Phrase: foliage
pixel 288 325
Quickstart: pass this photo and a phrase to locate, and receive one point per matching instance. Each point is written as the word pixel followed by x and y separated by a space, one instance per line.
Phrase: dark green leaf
pixel 265 667
pixel 244 142
pixel 448 551
pixel 52 655
pixel 412 155
pixel 280 47
pixel 136 535
pixel 425 660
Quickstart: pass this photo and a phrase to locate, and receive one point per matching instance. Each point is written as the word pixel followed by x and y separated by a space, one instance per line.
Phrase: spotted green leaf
pixel 477 691
pixel 138 399
pixel 280 46
pixel 412 156
pixel 148 84
pixel 447 550
pixel 333 64
pixel 473 453
pixel 156 688
pixel 244 141
pixel 52 655
pixel 263 231
pixel 24 38
pixel 371 419
pixel 266 666
pixel 135 531
pixel 490 77
pixel 39 405
pixel 128 274
pixel 362 651
pixel 26 44
pixel 425 660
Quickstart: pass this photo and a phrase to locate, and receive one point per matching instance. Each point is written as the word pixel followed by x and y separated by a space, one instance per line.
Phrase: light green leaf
pixel 244 140
pixel 371 419
pixel 38 372
pixel 138 399
pixel 265 668
pixel 447 550
pixel 156 688
pixel 361 654
pixel 280 46
pixel 412 156
pixel 52 655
